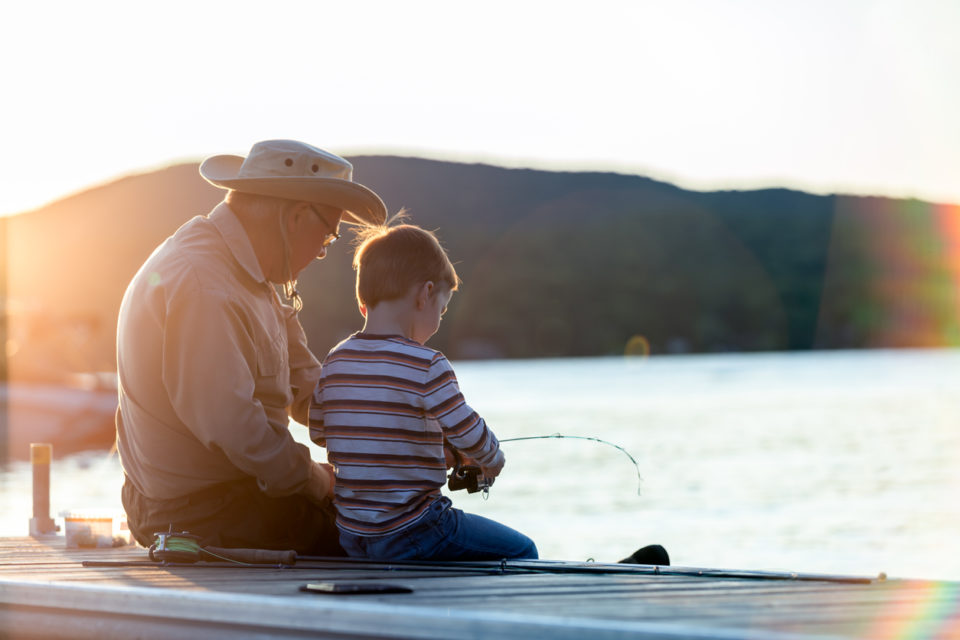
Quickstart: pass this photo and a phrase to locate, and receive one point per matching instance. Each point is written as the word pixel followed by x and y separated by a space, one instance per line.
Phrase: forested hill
pixel 553 263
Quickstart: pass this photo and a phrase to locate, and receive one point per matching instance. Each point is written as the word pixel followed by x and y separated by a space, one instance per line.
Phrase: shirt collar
pixel 227 223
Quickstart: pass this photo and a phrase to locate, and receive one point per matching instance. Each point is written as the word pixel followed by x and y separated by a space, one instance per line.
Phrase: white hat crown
pixel 289 158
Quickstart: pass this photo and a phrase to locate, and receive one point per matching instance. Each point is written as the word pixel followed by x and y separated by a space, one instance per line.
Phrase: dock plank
pixel 46 591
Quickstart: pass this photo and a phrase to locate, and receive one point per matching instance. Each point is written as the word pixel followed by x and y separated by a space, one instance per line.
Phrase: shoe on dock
pixel 650 554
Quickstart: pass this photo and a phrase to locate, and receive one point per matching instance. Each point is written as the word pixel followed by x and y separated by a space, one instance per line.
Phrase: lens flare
pixel 908 618
pixel 893 275
pixel 637 346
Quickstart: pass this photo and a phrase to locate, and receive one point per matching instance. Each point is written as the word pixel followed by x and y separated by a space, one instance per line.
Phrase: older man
pixel 212 364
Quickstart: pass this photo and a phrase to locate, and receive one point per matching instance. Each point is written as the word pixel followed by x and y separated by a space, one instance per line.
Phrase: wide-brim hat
pixel 297 171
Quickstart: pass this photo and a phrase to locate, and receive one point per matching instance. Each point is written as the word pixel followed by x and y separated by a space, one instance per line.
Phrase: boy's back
pixel 382 409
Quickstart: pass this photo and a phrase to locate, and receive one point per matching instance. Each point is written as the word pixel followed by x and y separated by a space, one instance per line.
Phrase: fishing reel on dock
pixel 175 547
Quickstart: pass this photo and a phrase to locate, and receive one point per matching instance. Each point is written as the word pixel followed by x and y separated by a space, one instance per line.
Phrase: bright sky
pixel 855 96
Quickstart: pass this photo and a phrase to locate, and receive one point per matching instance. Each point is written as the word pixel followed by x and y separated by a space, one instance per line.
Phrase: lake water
pixel 832 462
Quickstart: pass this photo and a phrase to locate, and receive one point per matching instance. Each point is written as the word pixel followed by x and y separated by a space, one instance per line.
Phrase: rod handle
pixel 256 556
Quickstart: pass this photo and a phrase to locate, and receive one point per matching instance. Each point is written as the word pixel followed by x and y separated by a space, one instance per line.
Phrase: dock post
pixel 41 454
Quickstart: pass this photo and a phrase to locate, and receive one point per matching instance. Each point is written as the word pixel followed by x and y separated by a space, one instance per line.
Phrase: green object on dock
pixel 182 547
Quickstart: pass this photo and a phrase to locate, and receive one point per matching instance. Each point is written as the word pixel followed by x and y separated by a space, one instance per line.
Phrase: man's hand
pixel 321 483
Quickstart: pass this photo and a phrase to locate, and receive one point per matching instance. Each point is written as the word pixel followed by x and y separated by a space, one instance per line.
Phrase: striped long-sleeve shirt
pixel 383 408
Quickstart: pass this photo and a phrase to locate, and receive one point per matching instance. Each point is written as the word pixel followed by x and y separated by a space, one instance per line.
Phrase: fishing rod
pixel 469 477
pixel 487 567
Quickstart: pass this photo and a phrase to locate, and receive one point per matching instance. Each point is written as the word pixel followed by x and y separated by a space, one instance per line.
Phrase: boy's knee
pixel 529 551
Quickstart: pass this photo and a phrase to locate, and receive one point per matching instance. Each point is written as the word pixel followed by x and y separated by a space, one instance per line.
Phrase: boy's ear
pixel 424 293
pixel 363 309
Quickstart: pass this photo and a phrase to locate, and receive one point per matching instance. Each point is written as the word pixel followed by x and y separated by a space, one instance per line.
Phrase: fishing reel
pixel 469 477
pixel 170 546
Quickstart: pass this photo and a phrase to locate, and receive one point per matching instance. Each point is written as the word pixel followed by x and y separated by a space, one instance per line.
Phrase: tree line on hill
pixel 552 263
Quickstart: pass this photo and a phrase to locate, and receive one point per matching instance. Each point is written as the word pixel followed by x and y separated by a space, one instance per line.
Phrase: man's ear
pixel 363 309
pixel 296 215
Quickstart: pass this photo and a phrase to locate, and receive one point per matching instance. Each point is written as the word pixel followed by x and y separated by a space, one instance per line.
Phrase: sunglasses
pixel 330 238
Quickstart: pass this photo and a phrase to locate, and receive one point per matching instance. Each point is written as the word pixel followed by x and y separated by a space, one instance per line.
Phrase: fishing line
pixel 600 440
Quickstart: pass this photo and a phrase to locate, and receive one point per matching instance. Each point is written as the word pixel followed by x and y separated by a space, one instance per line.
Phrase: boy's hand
pixel 468 473
pixel 494 468
pixel 449 457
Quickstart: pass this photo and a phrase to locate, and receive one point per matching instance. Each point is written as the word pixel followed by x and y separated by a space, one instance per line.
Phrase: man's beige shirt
pixel 210 362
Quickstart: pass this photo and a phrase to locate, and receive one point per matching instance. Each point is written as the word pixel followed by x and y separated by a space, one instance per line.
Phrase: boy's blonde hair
pixel 391 259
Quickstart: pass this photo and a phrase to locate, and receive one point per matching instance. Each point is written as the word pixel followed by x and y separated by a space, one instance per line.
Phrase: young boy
pixel 386 406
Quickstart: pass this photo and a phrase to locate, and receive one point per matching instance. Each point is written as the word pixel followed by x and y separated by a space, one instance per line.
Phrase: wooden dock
pixel 47 591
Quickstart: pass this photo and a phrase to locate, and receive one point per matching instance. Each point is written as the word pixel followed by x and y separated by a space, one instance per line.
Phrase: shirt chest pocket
pixel 271 356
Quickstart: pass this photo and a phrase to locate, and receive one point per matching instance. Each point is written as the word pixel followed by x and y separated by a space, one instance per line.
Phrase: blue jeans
pixel 444 533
